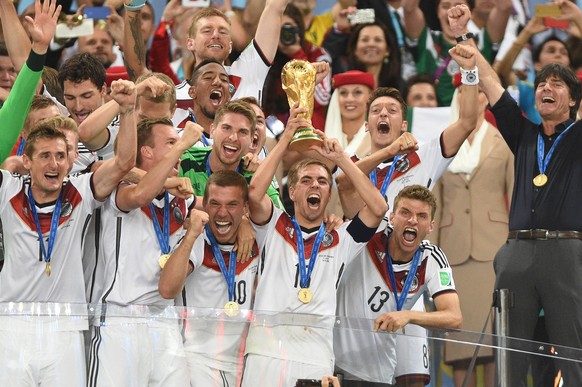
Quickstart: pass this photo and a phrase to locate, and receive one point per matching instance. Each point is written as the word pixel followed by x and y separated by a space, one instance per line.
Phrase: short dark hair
pixel 416 79
pixel 227 178
pixel 81 67
pixel 569 77
pixel 417 192
pixel 293 174
pixel 50 79
pixel 43 131
pixel 237 107
pixel 144 133
pixel 387 92
pixel 196 71
pixel 38 102
pixel 535 55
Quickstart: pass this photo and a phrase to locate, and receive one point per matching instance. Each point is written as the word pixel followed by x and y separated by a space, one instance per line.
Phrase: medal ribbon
pixel 229 274
pixel 193 119
pixel 305 274
pixel 162 236
pixel 411 274
pixel 46 251
pixel 20 149
pixel 384 187
pixel 543 162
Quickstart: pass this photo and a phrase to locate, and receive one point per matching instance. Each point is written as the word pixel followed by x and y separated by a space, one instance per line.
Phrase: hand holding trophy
pixel 298 80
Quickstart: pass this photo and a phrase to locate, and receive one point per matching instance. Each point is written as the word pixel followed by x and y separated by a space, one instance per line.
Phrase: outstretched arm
pixel 455 134
pixel 414 21
pixel 14 111
pixel 447 315
pixel 134 52
pixel 16 39
pixel 177 268
pixel 269 28
pixel 106 178
pixel 138 195
pixel 505 66
pixel 259 203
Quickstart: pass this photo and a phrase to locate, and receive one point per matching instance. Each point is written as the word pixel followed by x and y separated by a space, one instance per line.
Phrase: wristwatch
pixel 467 36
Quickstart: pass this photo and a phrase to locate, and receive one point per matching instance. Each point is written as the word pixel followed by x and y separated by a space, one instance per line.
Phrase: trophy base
pixel 304 139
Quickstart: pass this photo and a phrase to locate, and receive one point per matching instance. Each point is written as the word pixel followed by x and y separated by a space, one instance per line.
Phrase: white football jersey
pixel 308 339
pixel 131 251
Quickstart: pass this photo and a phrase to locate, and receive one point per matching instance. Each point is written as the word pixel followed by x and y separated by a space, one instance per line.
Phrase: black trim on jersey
pixel 262 265
pixel 117 248
pixel 270 216
pixel 309 230
pixel 438 254
pixel 359 231
pixel 443 292
pixel 1 179
pixel 93 358
pixel 104 144
pixel 85 226
pixel 442 144
pixel 97 213
pixel 261 54
pixel 339 276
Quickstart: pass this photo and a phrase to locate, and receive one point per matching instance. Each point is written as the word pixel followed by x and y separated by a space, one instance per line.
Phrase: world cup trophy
pixel 298 80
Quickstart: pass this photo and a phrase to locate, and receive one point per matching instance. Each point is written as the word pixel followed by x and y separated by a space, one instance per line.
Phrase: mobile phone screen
pixel 96 12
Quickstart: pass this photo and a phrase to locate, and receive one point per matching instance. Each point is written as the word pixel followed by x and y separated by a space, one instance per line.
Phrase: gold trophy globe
pixel 298 80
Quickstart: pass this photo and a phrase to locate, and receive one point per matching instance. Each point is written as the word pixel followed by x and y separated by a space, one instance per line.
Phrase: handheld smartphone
pixel 196 3
pixel 548 10
pixel 96 13
pixel 63 31
pixel 553 23
pixel 362 16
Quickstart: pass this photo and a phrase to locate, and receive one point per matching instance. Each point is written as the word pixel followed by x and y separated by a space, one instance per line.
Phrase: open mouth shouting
pixel 548 99
pixel 409 235
pixel 52 177
pixel 223 227
pixel 313 201
pixel 216 97
pixel 383 127
pixel 230 151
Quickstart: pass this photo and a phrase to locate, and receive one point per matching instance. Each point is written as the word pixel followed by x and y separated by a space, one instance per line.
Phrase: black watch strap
pixel 467 36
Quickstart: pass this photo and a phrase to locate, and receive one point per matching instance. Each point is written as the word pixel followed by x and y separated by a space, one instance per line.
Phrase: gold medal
pixel 47 269
pixel 231 308
pixel 163 260
pixel 540 180
pixel 305 295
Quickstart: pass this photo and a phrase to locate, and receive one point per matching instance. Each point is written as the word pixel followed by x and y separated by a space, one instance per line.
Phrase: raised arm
pixel 269 28
pixel 504 67
pixel 15 108
pixel 134 52
pixel 17 40
pixel 375 206
pixel 497 20
pixel 138 195
pixel 456 133
pixel 177 268
pixel 93 131
pixel 414 21
pixel 259 202
pixel 106 178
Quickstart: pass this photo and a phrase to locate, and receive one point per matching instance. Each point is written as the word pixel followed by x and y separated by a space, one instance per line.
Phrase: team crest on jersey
pixel 327 240
pixel 403 165
pixel 66 209
pixel 413 285
pixel 178 215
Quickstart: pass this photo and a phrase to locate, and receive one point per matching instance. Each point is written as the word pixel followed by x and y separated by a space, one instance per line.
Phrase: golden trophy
pixel 298 80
